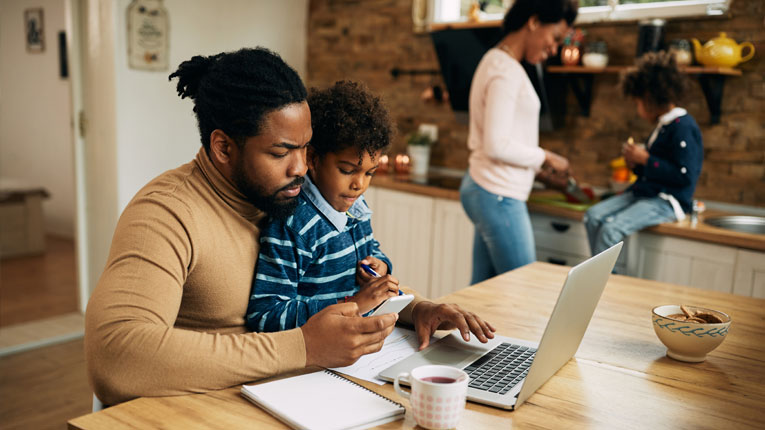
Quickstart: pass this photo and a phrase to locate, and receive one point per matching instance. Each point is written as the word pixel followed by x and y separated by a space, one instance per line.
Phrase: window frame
pixel 615 12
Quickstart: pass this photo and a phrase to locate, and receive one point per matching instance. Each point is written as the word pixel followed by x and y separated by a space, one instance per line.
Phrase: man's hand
pixel 337 336
pixel 364 278
pixel 375 292
pixel 429 317
pixel 635 155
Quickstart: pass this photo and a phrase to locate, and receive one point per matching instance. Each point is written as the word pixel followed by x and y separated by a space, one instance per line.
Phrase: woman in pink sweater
pixel 505 156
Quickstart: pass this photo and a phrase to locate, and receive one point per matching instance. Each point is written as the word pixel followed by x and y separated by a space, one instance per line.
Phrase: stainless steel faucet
pixel 696 209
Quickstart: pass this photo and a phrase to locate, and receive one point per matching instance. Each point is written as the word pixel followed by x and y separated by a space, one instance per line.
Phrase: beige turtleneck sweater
pixel 167 316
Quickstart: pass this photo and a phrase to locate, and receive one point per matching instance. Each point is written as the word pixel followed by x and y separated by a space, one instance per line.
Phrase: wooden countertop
pixel 618 378
pixel 433 186
pixel 446 187
pixel 707 233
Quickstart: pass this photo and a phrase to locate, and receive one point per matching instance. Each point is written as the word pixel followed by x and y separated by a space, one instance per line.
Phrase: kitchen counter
pixel 447 187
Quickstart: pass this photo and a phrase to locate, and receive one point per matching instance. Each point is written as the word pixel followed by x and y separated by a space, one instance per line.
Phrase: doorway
pixel 39 291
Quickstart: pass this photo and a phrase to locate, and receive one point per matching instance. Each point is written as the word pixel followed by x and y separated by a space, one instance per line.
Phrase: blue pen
pixel 372 272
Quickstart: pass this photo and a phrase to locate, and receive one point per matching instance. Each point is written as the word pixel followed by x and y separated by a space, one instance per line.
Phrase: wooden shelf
pixel 585 70
pixel 463 25
pixel 691 70
pixel 704 70
pixel 712 80
pixel 580 78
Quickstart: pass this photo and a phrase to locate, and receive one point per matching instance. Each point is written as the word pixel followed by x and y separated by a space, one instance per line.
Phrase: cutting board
pixel 557 199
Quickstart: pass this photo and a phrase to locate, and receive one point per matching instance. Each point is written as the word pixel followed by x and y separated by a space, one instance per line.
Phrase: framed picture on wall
pixel 148 35
pixel 34 30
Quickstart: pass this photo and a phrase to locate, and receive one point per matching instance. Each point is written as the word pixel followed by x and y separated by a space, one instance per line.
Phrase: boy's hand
pixel 362 277
pixel 375 292
pixel 635 155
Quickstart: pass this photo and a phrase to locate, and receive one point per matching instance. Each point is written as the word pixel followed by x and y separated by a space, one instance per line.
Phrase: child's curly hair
pixel 656 79
pixel 348 115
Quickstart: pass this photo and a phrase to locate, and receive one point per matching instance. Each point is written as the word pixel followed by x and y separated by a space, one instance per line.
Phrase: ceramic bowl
pixel 595 59
pixel 687 341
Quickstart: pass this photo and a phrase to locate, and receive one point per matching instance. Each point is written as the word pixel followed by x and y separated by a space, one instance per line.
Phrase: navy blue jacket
pixel 674 163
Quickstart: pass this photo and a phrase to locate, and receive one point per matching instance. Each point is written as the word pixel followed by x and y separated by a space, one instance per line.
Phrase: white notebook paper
pixel 323 400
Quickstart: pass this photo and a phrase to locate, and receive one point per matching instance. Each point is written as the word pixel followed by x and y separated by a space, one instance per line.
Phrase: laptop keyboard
pixel 499 370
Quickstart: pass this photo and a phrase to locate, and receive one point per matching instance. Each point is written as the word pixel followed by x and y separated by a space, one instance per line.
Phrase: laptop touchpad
pixel 443 354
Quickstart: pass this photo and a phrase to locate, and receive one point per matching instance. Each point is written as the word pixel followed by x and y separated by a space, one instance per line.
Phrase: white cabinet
pixel 452 248
pixel 402 223
pixel 700 264
pixel 685 262
pixel 559 240
pixel 750 274
pixel 564 241
pixel 430 242
pixel 370 195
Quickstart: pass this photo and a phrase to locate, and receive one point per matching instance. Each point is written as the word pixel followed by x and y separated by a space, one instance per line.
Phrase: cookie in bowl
pixel 689 332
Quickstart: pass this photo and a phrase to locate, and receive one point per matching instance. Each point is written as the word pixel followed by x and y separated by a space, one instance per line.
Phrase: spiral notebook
pixel 323 400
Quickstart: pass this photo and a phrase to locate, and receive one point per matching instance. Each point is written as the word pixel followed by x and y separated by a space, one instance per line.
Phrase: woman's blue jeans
pixel 503 239
pixel 613 219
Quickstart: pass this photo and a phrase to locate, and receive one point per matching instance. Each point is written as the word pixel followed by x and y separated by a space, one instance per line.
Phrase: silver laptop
pixel 504 372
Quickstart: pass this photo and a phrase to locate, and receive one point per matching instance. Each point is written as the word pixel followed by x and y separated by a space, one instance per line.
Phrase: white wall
pixel 35 110
pixel 138 126
pixel 156 130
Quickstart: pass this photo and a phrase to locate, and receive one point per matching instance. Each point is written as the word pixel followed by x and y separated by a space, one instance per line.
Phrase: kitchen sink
pixel 740 223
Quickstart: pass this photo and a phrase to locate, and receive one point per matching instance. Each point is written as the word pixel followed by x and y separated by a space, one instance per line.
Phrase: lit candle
pixel 383 165
pixel 402 163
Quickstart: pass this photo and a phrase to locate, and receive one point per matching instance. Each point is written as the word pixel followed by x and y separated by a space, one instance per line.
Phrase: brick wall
pixel 364 40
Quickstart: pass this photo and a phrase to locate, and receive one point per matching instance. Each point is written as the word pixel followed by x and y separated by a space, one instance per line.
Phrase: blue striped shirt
pixel 308 261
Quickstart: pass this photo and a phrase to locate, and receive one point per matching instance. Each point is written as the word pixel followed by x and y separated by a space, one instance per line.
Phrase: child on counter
pixel 667 168
pixel 312 259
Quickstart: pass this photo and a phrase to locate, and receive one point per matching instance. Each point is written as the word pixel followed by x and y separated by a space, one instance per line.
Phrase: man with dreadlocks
pixel 167 315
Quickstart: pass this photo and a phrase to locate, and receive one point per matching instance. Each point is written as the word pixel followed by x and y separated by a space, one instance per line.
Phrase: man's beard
pixel 268 203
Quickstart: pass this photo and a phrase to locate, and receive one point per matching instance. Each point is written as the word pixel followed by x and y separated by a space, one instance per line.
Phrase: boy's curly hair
pixel 348 115
pixel 656 79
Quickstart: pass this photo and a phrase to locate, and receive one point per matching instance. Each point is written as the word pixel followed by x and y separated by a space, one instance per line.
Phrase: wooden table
pixel 619 378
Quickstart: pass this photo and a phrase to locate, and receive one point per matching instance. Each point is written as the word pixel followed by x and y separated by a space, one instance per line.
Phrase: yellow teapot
pixel 721 51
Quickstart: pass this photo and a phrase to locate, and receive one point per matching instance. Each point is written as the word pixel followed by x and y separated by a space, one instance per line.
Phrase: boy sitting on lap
pixel 312 259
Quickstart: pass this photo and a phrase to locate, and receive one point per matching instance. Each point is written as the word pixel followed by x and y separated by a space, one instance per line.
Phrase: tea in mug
pixel 439 379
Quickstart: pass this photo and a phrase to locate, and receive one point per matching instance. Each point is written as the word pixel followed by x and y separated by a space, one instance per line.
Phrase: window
pixel 626 10
pixel 589 10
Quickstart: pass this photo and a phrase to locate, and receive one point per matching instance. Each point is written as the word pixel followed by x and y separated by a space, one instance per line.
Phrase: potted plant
pixel 419 150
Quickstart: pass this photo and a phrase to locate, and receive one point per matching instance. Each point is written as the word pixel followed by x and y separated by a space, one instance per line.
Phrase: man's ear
pixel 224 152
pixel 221 147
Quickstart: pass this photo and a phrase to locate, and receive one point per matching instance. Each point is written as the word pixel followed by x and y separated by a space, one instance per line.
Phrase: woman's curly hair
pixel 348 115
pixel 655 79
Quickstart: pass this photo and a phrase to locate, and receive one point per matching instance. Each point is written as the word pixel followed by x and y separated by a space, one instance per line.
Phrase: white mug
pixel 438 395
